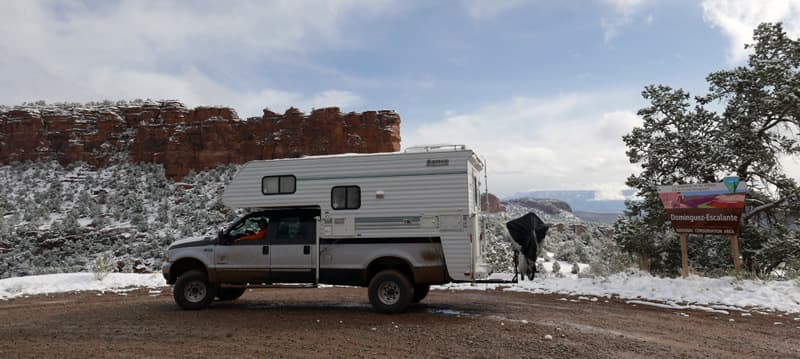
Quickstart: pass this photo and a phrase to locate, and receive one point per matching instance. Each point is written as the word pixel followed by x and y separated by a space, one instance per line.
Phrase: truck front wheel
pixel 192 290
pixel 390 292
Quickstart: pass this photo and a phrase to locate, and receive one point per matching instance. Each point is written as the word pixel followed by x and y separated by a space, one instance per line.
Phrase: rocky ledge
pixel 184 139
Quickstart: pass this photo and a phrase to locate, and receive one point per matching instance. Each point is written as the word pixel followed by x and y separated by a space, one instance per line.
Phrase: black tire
pixel 420 292
pixel 390 292
pixel 224 294
pixel 192 290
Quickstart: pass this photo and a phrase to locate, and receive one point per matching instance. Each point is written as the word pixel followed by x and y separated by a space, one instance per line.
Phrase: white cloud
pixel 486 10
pixel 608 194
pixel 570 141
pixel 737 19
pixel 624 14
pixel 625 6
pixel 82 51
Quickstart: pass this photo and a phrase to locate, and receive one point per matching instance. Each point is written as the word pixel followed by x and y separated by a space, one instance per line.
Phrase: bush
pixel 610 260
pixel 556 267
pixel 102 265
pixel 497 249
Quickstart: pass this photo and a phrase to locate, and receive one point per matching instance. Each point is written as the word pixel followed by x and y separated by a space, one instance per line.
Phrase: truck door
pixel 293 247
pixel 242 256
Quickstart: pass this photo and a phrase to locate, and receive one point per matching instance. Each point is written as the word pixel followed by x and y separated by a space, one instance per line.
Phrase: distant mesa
pixel 580 200
pixel 182 139
pixel 563 206
pixel 547 206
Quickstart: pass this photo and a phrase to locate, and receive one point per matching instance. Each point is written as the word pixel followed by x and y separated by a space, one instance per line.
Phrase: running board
pixel 489 281
pixel 279 285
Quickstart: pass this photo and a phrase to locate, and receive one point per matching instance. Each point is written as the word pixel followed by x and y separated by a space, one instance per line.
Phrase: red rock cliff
pixel 182 139
pixel 490 203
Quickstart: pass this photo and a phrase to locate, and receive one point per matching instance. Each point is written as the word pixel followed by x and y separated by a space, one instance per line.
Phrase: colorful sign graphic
pixel 705 208
pixel 731 183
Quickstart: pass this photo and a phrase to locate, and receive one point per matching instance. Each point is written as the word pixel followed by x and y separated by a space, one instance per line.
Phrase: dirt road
pixel 338 322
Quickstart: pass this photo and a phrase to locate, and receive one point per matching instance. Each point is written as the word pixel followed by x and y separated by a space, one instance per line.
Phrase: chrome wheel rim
pixel 389 293
pixel 195 292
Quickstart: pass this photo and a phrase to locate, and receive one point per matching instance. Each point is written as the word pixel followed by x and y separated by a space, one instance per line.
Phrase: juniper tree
pixel 556 267
pixel 687 140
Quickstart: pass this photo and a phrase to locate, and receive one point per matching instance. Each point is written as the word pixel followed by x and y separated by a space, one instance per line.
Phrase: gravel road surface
pixel 338 322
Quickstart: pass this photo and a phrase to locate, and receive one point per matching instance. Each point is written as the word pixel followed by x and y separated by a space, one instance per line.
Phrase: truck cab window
pixel 291 229
pixel 252 229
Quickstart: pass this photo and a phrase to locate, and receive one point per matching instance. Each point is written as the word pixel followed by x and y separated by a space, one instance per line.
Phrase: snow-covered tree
pixel 556 267
pixel 575 268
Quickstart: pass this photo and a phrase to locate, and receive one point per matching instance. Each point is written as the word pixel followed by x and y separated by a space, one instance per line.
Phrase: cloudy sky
pixel 543 90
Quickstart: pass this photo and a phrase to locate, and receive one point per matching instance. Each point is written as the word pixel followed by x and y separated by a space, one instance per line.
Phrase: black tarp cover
pixel 529 232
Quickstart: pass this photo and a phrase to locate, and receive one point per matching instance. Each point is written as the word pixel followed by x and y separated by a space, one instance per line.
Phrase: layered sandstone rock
pixel 490 203
pixel 184 139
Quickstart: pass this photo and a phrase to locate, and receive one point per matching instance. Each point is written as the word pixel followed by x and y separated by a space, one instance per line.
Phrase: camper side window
pixel 278 184
pixel 477 192
pixel 346 197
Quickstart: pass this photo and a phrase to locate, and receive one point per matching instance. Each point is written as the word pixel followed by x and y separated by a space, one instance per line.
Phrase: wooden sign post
pixel 705 208
pixel 685 254
pixel 737 263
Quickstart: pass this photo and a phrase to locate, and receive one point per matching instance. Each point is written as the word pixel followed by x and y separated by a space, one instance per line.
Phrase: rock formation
pixel 492 204
pixel 548 206
pixel 184 139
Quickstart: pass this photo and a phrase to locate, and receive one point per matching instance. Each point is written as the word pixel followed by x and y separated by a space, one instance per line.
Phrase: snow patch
pixel 718 294
pixel 676 306
pixel 457 313
pixel 72 282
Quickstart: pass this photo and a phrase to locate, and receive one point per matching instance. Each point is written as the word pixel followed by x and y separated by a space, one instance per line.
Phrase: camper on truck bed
pixel 396 223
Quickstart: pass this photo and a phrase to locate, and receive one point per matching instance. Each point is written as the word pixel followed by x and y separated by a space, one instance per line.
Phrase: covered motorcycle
pixel 528 233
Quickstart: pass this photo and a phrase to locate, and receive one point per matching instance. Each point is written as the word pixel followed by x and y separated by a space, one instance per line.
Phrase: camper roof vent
pixel 432 148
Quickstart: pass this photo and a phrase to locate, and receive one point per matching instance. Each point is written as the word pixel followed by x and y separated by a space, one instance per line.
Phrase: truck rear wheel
pixel 192 290
pixel 229 293
pixel 420 291
pixel 390 292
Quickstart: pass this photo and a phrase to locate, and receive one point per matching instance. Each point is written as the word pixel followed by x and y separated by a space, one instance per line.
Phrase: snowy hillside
pixel 570 239
pixel 548 210
pixel 55 219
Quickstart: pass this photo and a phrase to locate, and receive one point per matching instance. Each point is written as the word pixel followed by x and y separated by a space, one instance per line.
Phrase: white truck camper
pixel 396 223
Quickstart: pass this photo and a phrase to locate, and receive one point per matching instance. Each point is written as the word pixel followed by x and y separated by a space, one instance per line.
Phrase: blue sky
pixel 543 90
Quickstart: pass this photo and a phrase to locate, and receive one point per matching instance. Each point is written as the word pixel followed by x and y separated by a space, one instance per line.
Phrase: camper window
pixel 346 197
pixel 476 194
pixel 278 185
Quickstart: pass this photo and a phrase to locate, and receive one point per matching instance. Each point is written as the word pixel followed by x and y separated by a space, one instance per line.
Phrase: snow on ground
pixel 718 295
pixel 71 282
pixel 677 293
pixel 565 268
